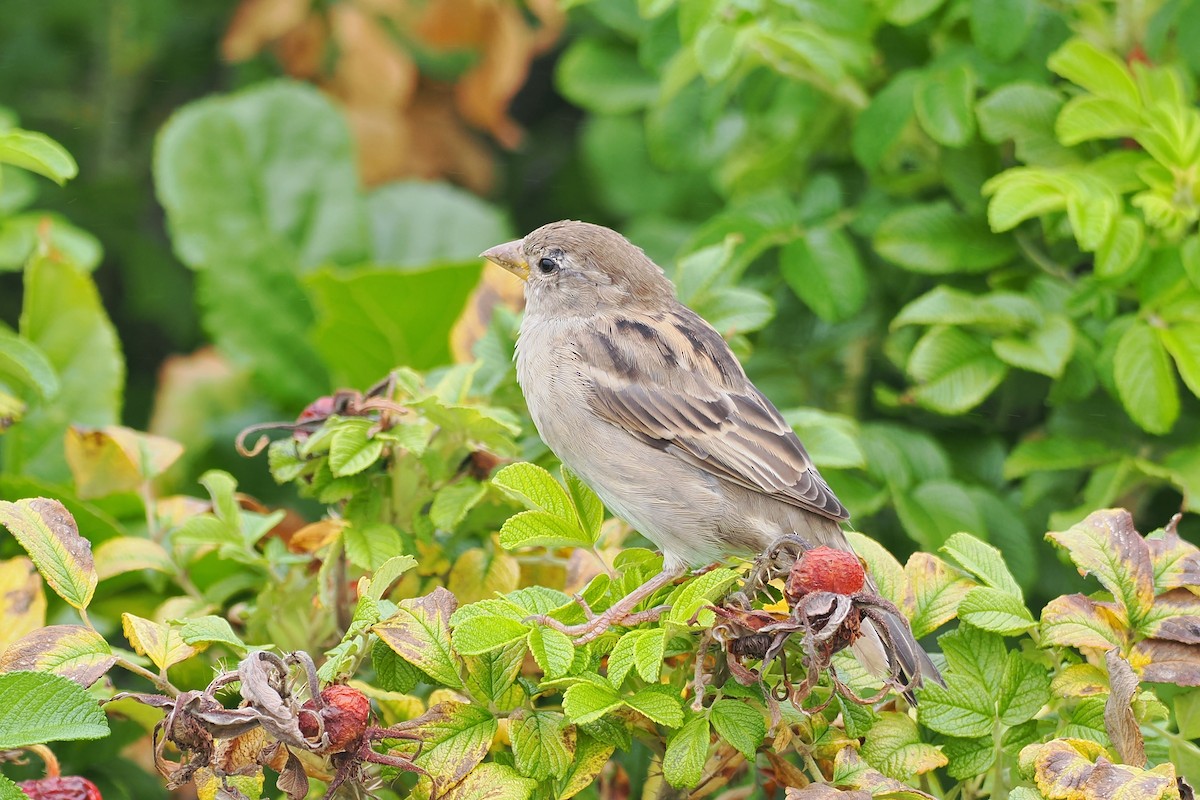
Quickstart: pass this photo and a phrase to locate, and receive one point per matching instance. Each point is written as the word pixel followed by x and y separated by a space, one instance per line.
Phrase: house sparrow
pixel 643 399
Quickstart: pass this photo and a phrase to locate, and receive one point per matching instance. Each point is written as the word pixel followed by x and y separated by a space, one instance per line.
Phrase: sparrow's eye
pixel 547 265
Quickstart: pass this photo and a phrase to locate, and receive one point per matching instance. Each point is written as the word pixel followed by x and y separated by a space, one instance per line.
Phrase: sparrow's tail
pixel 895 651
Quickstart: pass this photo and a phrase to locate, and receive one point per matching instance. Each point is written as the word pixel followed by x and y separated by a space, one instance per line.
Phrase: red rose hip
pixel 824 569
pixel 61 787
pixel 345 715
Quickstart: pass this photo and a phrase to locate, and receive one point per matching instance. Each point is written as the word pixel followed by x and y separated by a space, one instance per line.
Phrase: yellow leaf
pixel 115 459
pixel 22 601
pixel 157 641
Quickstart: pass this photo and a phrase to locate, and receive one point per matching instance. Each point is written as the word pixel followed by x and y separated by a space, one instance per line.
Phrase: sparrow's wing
pixel 672 382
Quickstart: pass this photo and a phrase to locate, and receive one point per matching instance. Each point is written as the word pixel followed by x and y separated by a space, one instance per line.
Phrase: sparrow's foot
pixel 620 613
pixel 597 624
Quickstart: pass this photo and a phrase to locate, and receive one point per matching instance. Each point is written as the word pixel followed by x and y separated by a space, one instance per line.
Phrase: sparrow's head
pixel 578 268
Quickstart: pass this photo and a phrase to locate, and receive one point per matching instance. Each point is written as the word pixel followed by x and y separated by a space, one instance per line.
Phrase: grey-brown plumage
pixel 643 399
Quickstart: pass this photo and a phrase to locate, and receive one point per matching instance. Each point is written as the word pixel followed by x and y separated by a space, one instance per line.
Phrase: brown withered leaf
pixel 1175 616
pixel 256 23
pixel 1107 545
pixel 22 600
pixel 823 791
pixel 1176 562
pixel 1162 661
pixel 786 773
pixel 1119 720
pixel 1110 781
pixel 1075 620
pixel 72 651
pixel 371 72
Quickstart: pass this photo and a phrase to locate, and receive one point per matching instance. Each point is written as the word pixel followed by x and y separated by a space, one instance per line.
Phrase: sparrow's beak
pixel 511 256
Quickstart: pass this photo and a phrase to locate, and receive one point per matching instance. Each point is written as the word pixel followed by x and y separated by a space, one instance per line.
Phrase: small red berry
pixel 63 787
pixel 824 569
pixel 345 715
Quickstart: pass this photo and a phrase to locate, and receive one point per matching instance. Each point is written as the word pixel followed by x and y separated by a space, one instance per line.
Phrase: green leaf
pixel 371 545
pixel 935 510
pixel 393 673
pixel 387 573
pixel 1000 27
pixel 937 239
pixel 689 600
pixel 543 744
pixel 955 370
pixel 715 49
pixel 963 708
pixel 832 440
pixel 970 757
pixel 825 271
pixel 48 533
pixel 588 507
pixel 38 153
pixel 1087 117
pixel 24 362
pixel 1024 689
pixel 210 630
pixel 905 12
pixel 1020 194
pixel 62 316
pixel 585 702
pixel 1024 113
pixel 1182 341
pixel 687 750
pixel 648 652
pixel 23 236
pixel 419 631
pixel 535 488
pixel 659 704
pixel 369 320
pixel 881 126
pixel 552 650
pixel 452 503
pixel 36 708
pixel 894 748
pixel 1056 452
pixel 1045 350
pixel 621 660
pixel 1107 545
pixel 604 77
pixel 983 561
pixel 945 305
pixel 945 104
pixel 1101 73
pixel 490 677
pixel 480 634
pixel 350 448
pixel 996 611
pixel 541 529
pixel 248 233
pixel 975 653
pixel 937 590
pixel 739 724
pixel 418 223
